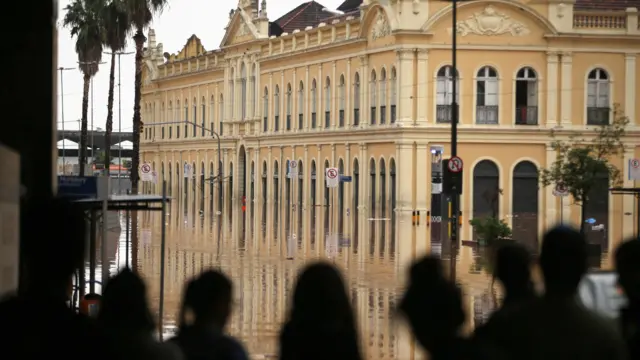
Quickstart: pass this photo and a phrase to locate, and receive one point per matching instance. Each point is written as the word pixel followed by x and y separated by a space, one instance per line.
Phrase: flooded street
pixel 255 257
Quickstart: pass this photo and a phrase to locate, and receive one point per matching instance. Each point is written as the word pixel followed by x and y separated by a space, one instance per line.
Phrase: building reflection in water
pixel 252 244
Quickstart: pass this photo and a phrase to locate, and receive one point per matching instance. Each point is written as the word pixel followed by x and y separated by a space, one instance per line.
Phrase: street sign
pixel 154 177
pixel 293 169
pixel 145 172
pixel 331 177
pixel 78 186
pixel 345 178
pixel 331 247
pixel 187 170
pixel 634 169
pixel 590 221
pixel 455 164
pixel 560 190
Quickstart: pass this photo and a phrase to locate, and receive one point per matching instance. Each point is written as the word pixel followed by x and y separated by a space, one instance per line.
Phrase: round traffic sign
pixel 635 163
pixel 455 164
pixel 332 173
pixel 145 168
pixel 293 164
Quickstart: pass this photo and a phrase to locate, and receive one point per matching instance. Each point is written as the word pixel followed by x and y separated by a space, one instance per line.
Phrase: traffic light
pixel 451 181
pixel 141 127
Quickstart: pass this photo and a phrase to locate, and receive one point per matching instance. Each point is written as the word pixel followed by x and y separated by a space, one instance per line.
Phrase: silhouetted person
pixel 432 305
pixel 321 324
pixel 127 322
pixel 557 326
pixel 39 324
pixel 513 270
pixel 206 308
pixel 627 259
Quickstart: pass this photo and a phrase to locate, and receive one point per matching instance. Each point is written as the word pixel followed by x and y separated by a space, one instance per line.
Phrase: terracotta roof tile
pixel 306 14
pixel 606 5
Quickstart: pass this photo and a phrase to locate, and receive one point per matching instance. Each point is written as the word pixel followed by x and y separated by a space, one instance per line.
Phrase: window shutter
pixel 591 94
pixel 441 89
pixel 603 95
pixel 491 93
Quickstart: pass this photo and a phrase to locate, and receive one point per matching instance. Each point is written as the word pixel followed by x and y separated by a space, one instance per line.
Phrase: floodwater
pixel 255 256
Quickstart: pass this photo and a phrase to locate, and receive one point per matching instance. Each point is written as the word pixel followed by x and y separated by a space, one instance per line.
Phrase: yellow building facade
pixel 368 91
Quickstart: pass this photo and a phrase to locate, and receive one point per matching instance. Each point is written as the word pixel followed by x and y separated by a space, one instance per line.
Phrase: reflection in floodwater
pixel 262 247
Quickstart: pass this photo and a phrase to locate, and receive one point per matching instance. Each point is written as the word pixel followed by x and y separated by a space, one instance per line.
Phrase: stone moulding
pixel 490 22
pixel 381 26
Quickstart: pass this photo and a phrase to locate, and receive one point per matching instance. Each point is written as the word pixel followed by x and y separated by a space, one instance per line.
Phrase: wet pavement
pixel 255 257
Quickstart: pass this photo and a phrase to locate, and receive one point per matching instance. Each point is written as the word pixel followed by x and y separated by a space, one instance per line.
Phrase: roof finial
pixel 263 9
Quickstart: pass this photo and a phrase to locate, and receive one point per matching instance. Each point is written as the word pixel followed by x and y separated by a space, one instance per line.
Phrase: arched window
pixel 289 105
pixel 356 99
pixel 170 115
pixel 374 97
pixel 276 106
pixel 314 103
pixel 383 96
pixel 221 115
pixel 394 95
pixel 300 105
pixel 598 98
pixel 232 93
pixel 341 89
pixel 185 119
pixel 444 93
pixel 212 113
pixel 265 110
pixel 524 204
pixel 526 97
pixel 487 96
pixel 486 190
pixel 243 91
pixel 327 102
pixel 254 90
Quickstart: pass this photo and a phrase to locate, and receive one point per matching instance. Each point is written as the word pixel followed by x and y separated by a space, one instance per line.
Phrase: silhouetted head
pixel 627 260
pixel 124 304
pixel 563 260
pixel 208 298
pixel 432 304
pixel 513 267
pixel 54 246
pixel 320 299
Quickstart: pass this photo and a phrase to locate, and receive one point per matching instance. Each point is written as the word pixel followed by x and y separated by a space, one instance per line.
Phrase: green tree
pixel 580 161
pixel 116 28
pixel 141 14
pixel 83 18
pixel 490 230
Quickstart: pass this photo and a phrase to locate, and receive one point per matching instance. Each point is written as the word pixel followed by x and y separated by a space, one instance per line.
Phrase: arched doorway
pixel 300 199
pixel 486 190
pixel 392 188
pixel 327 200
pixel 314 201
pixel 341 199
pixel 383 205
pixel 372 205
pixel 524 204
pixel 597 208
pixel 356 200
pixel 276 198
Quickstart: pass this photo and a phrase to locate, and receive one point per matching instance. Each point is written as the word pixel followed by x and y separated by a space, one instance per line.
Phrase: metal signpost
pixel 292 174
pixel 455 197
pixel 332 180
pixel 561 191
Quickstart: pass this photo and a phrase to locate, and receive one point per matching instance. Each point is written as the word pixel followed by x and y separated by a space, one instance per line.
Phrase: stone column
pixel 272 107
pixel 320 100
pixel 552 86
pixel 423 198
pixel 628 201
pixel 630 88
pixel 283 109
pixel 405 86
pixel 334 97
pixel 348 190
pixel 364 195
pixel 294 102
pixel 334 192
pixel 551 214
pixel 227 173
pixel 306 197
pixel 228 108
pixel 423 86
pixel 307 103
pixel 364 85
pixel 404 201
pixel 347 91
pixel 319 197
pixel 565 95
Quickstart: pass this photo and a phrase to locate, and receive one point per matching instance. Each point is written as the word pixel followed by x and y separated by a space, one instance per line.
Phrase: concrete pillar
pixel 423 100
pixel 271 114
pixel 348 190
pixel 405 85
pixel 423 198
pixel 347 91
pixel 404 200
pixel 551 213
pixel 365 113
pixel 320 103
pixel 335 97
pixel 628 201
pixel 307 104
pixel 552 89
pixel 567 91
pixel 306 194
pixel 630 88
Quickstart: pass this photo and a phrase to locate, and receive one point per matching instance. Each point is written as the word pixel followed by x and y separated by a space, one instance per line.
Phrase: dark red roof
pixel 612 5
pixel 306 14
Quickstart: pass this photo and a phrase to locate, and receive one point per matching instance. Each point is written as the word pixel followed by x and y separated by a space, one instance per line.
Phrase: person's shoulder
pixel 234 348
pixel 169 350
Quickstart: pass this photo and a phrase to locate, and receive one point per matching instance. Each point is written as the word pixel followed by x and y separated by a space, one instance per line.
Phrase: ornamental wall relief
pixel 491 22
pixel 381 26
pixel 243 29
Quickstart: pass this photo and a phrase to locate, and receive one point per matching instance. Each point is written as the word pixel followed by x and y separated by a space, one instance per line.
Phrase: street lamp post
pixel 455 198
pixel 214 134
pixel 64 159
pixel 119 53
pixel 97 63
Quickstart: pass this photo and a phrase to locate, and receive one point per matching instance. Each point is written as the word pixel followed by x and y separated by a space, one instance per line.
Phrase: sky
pixel 181 19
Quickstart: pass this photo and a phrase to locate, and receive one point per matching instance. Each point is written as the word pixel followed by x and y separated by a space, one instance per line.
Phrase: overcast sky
pixel 183 18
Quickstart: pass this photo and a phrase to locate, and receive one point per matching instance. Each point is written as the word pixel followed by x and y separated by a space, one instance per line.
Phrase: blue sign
pixel 590 221
pixel 345 178
pixel 344 242
pixel 78 186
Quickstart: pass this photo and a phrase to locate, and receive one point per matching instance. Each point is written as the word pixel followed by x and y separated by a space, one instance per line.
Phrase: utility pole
pixel 119 53
pixel 64 159
pixel 97 63
pixel 455 197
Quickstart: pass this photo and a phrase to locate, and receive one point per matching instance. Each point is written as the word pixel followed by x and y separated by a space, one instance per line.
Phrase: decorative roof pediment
pixel 489 22
pixel 192 48
pixel 377 22
pixel 240 29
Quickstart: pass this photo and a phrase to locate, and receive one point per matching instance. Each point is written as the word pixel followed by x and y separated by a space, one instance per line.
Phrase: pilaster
pixel 423 86
pixel 283 110
pixel 405 85
pixel 269 196
pixel 334 192
pixel 364 193
pixel 552 86
pixel 348 95
pixel 551 214
pixel 423 198
pixel 335 97
pixel 320 103
pixel 567 91
pixel 307 103
pixel 364 99
pixel 404 204
pixel 271 113
pixel 628 201
pixel 306 196
pixel 294 101
pixel 630 88
pixel 319 195
pixel 347 191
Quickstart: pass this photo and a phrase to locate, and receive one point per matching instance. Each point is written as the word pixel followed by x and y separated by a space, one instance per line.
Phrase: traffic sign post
pixel 634 169
pixel 146 172
pixel 452 179
pixel 293 170
pixel 561 191
pixel 332 179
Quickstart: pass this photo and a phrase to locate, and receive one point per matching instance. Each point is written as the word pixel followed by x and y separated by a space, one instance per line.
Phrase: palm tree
pixel 116 28
pixel 141 14
pixel 83 17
